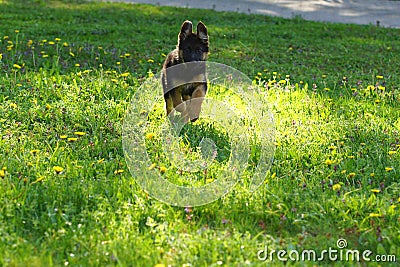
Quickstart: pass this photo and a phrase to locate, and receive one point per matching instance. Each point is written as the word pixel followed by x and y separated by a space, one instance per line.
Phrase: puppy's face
pixel 193 46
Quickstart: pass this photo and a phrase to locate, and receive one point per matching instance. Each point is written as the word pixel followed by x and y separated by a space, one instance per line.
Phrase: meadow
pixel 68 71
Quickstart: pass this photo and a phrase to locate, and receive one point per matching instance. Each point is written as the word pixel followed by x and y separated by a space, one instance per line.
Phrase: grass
pixel 68 71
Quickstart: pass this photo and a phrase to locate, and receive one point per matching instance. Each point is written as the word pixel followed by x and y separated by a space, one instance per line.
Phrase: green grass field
pixel 68 71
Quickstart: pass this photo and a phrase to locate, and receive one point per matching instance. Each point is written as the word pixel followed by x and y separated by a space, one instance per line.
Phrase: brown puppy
pixel 184 74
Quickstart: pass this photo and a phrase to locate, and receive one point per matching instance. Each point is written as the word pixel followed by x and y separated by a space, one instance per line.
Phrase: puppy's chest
pixel 186 77
pixel 188 88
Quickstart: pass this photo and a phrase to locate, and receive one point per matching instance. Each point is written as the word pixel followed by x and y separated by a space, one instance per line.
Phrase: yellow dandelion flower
pixel 382 88
pixel 1 56
pixel 57 39
pixel 58 169
pixel 332 147
pixel 65 44
pixel 327 89
pixel 5 37
pixel 159 265
pixel 118 171
pixel 377 101
pixel 149 135
pixel 343 172
pixel 29 43
pixel 44 41
pixel 16 31
pixel 13 105
pixel 375 215
pixel 282 82
pixel 2 173
pixel 114 80
pixel 329 162
pixel 323 75
pixel 351 175
pixel 209 180
pixel 127 55
pixel 372 174
pixel 45 55
pixel 273 175
pixel 100 160
pixel 388 169
pixel 391 209
pixel 79 133
pixel 16 66
pixel 392 152
pixel 38 180
pixel 100 47
pixel 118 63
pixel 77 65
pixel 150 60
pixel 72 54
pixel 34 151
pixel 375 190
pixel 336 187
pixel 126 74
pixel 163 169
pixel 379 76
pixel 51 43
pixel 72 139
pixel 152 166
pixel 63 136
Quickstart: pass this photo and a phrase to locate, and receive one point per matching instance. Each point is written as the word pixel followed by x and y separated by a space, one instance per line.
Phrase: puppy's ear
pixel 202 32
pixel 186 29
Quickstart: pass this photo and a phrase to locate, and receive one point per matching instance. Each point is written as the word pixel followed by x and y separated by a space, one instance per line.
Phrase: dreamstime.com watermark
pixel 340 253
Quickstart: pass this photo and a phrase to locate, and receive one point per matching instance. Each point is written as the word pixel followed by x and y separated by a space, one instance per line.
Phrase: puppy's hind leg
pixel 169 105
pixel 195 102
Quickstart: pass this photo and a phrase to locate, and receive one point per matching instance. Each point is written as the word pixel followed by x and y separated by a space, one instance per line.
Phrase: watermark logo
pixel 234 104
pixel 340 253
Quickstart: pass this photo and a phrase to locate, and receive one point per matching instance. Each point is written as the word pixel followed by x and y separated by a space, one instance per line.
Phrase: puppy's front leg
pixel 179 105
pixel 195 102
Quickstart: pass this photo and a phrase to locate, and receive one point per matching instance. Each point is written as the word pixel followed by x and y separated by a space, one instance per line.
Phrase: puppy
pixel 184 72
